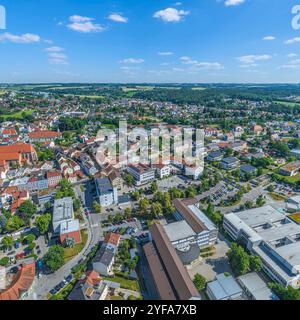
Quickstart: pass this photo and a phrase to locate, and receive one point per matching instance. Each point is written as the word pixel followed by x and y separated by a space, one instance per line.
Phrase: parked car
pixel 53 291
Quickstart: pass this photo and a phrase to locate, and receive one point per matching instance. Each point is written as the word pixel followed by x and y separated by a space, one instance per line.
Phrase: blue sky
pixel 149 41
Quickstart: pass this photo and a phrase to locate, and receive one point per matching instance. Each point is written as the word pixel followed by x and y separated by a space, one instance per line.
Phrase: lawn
pixel 125 283
pixel 17 115
pixel 287 103
pixel 290 180
pixel 70 253
pixel 295 217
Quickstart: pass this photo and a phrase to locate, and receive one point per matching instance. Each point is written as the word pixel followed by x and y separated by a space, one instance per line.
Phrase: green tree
pixel 255 263
pixel 129 179
pixel 4 262
pixel 154 187
pixel 43 223
pixel 54 259
pixel 97 207
pixel 14 223
pixel 144 203
pixel 199 281
pixel 260 201
pixel 7 242
pixel 127 213
pixel 239 259
pixel 284 293
pixel 27 210
pixel 156 209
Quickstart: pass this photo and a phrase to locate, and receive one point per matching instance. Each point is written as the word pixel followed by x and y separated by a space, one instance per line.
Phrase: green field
pixel 70 253
pixel 290 180
pixel 287 103
pixel 17 115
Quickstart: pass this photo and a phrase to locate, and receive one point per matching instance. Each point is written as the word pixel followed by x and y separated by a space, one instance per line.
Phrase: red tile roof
pixel 112 238
pixel 22 148
pixel 22 283
pixel 93 278
pixel 43 134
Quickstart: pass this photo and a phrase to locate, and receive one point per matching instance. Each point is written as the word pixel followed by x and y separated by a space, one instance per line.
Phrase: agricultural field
pixel 17 115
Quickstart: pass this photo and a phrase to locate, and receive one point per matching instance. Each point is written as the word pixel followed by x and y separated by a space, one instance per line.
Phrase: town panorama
pixel 164 178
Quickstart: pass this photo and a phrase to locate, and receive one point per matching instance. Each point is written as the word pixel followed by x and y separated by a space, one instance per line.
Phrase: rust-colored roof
pixel 182 283
pixel 113 238
pixel 182 207
pixel 53 174
pixel 159 275
pixel 93 278
pixel 11 132
pixel 22 283
pixel 17 148
pixel 10 156
pixel 43 134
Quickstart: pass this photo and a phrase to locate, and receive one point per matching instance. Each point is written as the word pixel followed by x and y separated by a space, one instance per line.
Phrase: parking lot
pixel 62 284
pixel 129 228
pixel 226 191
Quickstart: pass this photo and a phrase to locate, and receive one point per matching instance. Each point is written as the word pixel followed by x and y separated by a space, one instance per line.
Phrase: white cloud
pixel 251 59
pixel 58 58
pixel 294 64
pixel 269 38
pixel 116 17
pixel 24 38
pixel 201 64
pixel 56 55
pixel 84 24
pixel 77 18
pixel 165 53
pixel 293 40
pixel 292 55
pixel 54 49
pixel 231 3
pixel 132 61
pixel 171 15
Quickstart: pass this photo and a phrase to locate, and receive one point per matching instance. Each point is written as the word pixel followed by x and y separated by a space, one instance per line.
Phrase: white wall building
pixel 273 237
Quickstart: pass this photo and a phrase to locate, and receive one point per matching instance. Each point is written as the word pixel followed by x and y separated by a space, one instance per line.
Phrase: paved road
pixel 42 286
pixel 250 196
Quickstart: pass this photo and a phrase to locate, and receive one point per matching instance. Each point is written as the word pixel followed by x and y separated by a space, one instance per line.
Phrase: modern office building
pixel 142 174
pixel 205 232
pixel 107 194
pixel 62 212
pixel 273 237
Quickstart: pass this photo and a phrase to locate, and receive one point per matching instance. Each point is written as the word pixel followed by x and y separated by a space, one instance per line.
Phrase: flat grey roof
pixel 259 216
pixel 257 287
pixel 291 253
pixel 230 160
pixel 63 209
pixel 225 287
pixel 179 230
pixel 276 233
pixel 69 226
